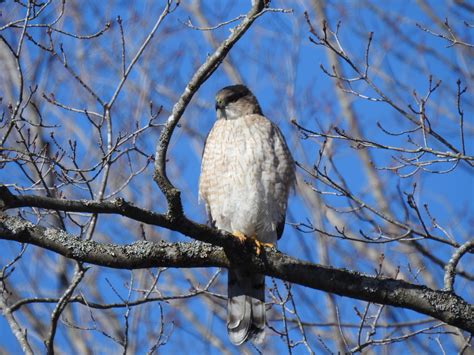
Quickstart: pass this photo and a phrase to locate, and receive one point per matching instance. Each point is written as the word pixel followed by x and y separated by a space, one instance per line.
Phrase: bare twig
pixel 450 36
pixel 63 301
pixel 7 311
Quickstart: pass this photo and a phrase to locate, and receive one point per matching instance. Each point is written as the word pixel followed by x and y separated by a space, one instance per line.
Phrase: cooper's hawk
pixel 246 175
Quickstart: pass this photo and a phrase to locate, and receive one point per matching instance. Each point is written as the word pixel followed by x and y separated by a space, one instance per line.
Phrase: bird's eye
pixel 219 103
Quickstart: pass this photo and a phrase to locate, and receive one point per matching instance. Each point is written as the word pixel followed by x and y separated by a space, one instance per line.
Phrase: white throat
pixel 231 113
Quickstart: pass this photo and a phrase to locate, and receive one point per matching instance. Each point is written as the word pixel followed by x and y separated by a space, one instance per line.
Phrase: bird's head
pixel 236 101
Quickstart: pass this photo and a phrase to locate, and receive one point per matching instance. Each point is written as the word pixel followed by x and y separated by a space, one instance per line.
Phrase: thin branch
pixel 7 312
pixel 63 301
pixel 335 47
pixel 20 334
pixel 450 37
pixel 450 270
pixel 167 10
pixel 200 76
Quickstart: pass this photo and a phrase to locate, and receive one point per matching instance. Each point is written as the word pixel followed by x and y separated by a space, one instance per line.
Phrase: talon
pixel 239 236
pixel 259 245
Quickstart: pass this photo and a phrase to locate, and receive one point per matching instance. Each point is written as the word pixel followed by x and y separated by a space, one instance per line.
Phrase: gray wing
pixel 281 227
pixel 210 220
pixel 291 178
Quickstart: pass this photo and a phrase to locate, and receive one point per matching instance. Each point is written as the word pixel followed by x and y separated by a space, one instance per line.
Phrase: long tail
pixel 245 307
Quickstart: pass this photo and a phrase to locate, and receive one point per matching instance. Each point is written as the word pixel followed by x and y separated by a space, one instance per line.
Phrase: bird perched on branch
pixel 247 172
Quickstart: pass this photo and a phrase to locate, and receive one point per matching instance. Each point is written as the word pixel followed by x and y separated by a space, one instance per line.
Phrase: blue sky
pixel 278 62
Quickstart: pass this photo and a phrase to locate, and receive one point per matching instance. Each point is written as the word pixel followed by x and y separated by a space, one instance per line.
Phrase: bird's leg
pixel 259 245
pixel 239 236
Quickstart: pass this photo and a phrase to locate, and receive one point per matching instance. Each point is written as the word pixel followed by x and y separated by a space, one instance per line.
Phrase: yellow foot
pixel 259 245
pixel 239 236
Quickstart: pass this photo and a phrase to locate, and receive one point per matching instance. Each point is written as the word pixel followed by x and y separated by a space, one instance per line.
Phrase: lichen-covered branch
pixel 442 305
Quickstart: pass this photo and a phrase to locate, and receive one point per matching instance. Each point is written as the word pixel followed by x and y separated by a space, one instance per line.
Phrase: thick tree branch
pixel 119 206
pixel 442 305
